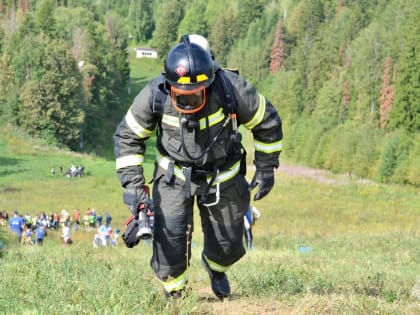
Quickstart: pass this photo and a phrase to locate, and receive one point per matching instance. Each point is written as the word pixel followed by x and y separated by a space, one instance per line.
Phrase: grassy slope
pixel 362 239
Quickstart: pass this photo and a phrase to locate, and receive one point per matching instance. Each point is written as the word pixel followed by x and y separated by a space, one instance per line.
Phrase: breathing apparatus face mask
pixel 188 102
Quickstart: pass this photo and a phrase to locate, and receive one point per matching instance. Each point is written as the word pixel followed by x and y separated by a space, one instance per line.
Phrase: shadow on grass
pixel 8 189
pixel 8 161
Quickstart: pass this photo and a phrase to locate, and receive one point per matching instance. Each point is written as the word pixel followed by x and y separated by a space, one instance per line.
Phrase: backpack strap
pixel 225 89
pixel 159 97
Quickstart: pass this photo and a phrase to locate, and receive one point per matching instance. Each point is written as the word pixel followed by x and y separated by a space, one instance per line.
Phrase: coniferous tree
pixel 194 21
pixel 387 93
pixel 140 20
pixel 45 19
pixel 278 52
pixel 248 11
pixel 51 102
pixel 166 32
pixel 406 110
pixel 223 34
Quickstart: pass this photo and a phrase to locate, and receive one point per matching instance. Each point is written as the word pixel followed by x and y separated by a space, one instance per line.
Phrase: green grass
pixel 363 241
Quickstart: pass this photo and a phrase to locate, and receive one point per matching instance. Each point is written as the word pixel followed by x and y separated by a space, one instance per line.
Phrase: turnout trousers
pixel 222 226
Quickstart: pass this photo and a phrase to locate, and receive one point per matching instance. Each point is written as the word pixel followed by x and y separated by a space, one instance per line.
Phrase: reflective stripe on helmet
pixel 129 160
pixel 268 147
pixel 259 115
pixel 135 126
pixel 177 283
pixel 215 266
pixel 187 80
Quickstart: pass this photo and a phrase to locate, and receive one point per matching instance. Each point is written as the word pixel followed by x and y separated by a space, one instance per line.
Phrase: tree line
pixel 342 73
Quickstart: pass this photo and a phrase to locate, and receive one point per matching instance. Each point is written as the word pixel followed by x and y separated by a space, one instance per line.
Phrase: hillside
pixel 342 74
pixel 325 244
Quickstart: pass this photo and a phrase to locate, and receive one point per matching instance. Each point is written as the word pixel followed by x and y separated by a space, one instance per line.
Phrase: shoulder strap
pixel 159 98
pixel 226 91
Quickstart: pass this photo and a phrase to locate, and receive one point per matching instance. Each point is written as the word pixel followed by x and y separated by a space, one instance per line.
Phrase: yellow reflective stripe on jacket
pixel 129 160
pixel 259 115
pixel 177 283
pixel 135 127
pixel 268 147
pixel 213 119
pixel 227 175
pixel 215 266
pixel 170 120
pixel 163 162
pixel 223 176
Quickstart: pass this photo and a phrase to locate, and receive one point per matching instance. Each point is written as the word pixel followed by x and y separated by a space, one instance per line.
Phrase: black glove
pixel 265 181
pixel 130 234
pixel 137 199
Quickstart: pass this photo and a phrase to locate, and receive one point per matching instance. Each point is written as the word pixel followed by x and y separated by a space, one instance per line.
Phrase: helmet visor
pixel 188 102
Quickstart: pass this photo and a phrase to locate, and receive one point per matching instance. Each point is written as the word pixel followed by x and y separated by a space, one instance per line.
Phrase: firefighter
pixel 196 108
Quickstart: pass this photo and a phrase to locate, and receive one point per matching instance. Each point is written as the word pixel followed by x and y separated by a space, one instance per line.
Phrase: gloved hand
pixel 265 181
pixel 130 234
pixel 137 199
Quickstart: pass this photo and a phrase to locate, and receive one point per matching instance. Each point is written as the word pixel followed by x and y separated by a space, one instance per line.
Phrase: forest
pixel 343 74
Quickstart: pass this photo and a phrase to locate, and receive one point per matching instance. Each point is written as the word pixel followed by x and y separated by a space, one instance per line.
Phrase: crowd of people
pixel 72 171
pixel 33 229
pixel 30 230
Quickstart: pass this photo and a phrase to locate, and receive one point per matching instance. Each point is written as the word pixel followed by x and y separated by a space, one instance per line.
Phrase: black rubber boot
pixel 175 295
pixel 219 281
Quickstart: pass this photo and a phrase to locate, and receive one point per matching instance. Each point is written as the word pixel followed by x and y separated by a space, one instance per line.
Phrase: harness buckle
pixel 217 197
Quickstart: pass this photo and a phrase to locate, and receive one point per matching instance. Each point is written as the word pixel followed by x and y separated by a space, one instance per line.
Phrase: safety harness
pixel 225 90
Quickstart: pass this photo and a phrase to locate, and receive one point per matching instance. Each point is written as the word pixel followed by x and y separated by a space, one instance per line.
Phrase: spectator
pixel 77 216
pixel 251 215
pixel 98 220
pixel 92 218
pixel 114 241
pixel 66 236
pixel 17 224
pixel 26 236
pixel 108 218
pixel 104 236
pixel 57 220
pixel 4 218
pixel 40 234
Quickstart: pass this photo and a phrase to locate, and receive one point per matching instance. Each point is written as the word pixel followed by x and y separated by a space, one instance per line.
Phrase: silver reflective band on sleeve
pixel 259 115
pixel 215 266
pixel 176 284
pixel 223 176
pixel 135 127
pixel 129 160
pixel 268 147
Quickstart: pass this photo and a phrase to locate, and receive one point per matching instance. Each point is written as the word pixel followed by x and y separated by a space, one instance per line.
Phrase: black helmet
pixel 189 70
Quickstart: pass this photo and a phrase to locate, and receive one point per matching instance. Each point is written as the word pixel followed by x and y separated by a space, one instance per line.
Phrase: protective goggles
pixel 188 102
